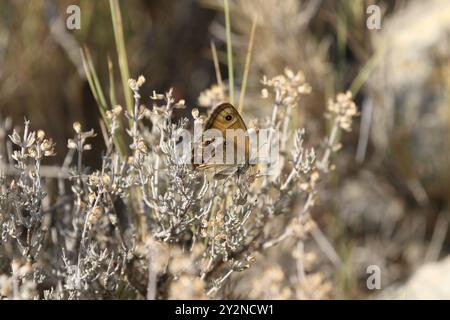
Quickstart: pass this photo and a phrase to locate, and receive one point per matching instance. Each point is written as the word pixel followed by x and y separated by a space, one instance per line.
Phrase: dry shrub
pixel 149 226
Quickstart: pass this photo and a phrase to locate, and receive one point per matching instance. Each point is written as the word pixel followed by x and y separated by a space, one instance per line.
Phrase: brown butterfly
pixel 225 120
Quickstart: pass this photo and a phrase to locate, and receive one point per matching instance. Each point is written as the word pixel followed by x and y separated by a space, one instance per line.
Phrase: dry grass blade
pixel 99 96
pixel 229 50
pixel 216 65
pixel 121 51
pixel 112 87
pixel 247 65
pixel 93 81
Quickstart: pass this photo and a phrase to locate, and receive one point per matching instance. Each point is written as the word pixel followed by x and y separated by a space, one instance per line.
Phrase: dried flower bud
pixel 289 73
pixel 212 96
pixel 71 144
pixel 91 197
pixel 94 179
pixel 95 214
pixel 219 216
pixel 106 179
pixel 40 134
pixel 195 113
pixel 46 145
pixel 50 153
pixel 305 89
pixel 140 81
pixel 288 87
pixel 77 127
pixel 141 146
pixel 181 102
pixel 133 84
pixel 32 152
pixel 343 110
pixel 117 110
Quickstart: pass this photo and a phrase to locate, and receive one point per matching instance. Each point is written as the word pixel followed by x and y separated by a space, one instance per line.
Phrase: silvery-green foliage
pixel 145 224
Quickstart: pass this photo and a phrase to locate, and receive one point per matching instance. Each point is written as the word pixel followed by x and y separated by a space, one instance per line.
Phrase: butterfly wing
pixel 226 117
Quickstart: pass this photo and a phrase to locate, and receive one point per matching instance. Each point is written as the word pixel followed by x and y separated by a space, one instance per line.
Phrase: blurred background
pixel 388 201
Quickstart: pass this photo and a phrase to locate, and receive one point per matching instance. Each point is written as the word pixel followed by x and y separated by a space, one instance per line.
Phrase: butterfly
pixel 228 131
